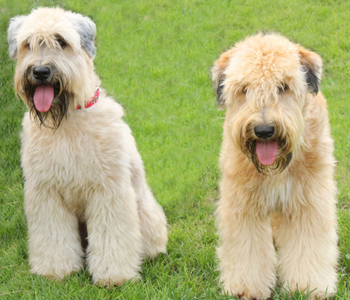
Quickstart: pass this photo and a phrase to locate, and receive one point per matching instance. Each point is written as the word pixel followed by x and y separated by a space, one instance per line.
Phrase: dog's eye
pixel 28 46
pixel 282 88
pixel 62 43
pixel 244 90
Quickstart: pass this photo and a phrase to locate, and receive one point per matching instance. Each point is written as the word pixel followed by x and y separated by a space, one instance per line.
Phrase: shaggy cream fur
pixel 86 169
pixel 268 81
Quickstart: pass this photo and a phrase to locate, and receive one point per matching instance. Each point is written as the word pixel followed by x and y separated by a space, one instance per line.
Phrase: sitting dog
pixel 277 171
pixel 79 158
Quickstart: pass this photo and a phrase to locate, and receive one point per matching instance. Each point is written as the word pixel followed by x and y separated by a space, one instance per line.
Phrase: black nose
pixel 41 73
pixel 264 131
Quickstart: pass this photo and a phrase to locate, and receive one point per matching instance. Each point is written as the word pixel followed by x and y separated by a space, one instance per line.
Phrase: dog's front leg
pixel 308 246
pixel 247 255
pixel 54 241
pixel 115 241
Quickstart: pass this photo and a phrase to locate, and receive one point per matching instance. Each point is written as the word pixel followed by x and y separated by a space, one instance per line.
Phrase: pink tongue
pixel 43 97
pixel 266 152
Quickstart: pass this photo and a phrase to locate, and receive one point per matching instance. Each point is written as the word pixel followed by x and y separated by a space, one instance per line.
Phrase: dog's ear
pixel 12 32
pixel 87 31
pixel 218 77
pixel 312 65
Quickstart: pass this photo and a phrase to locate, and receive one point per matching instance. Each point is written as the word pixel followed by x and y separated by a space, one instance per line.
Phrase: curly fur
pixel 266 79
pixel 87 170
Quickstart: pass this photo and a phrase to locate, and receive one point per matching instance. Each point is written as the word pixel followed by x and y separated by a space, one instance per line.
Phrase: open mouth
pixel 268 156
pixel 266 152
pixel 43 97
pixel 48 101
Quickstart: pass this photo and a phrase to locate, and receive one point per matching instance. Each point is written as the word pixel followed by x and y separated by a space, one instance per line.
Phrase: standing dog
pixel 277 170
pixel 79 158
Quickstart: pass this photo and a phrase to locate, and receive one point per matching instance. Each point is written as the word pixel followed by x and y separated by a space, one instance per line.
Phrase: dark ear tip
pixel 219 97
pixel 313 80
pixel 219 101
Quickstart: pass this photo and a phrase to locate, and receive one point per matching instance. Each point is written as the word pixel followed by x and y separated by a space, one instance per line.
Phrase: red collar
pixel 92 100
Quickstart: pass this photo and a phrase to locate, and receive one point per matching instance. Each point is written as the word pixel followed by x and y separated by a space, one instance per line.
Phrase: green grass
pixel 154 57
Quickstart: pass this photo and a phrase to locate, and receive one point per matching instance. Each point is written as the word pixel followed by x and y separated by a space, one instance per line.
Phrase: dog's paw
pixel 244 293
pixel 115 281
pixel 51 274
pixel 315 291
pixel 152 248
pixel 52 277
pixel 318 295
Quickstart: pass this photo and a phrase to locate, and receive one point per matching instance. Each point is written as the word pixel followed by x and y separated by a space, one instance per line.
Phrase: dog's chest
pixel 66 161
pixel 274 193
pixel 71 158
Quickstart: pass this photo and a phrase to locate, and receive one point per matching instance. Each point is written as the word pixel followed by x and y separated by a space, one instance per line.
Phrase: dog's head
pixel 54 71
pixel 265 83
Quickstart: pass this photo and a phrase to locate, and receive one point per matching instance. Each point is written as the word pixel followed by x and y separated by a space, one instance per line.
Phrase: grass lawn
pixel 154 57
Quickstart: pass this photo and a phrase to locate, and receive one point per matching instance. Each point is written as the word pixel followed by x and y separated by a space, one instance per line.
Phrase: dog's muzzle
pixel 267 150
pixel 41 81
pixel 48 96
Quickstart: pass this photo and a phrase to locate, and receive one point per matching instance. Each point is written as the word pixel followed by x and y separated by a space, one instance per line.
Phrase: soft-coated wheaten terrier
pixel 277 171
pixel 79 158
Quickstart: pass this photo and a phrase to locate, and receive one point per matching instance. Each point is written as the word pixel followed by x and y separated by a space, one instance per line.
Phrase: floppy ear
pixel 87 31
pixel 218 77
pixel 312 64
pixel 12 32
